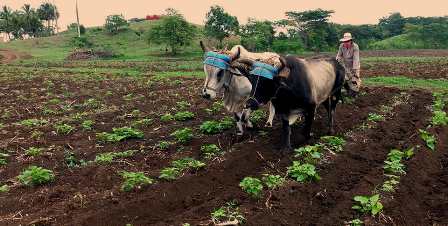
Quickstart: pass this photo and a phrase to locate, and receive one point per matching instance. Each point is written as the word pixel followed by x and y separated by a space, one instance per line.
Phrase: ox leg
pixel 330 112
pixel 309 119
pixel 239 123
pixel 271 115
pixel 246 118
pixel 286 134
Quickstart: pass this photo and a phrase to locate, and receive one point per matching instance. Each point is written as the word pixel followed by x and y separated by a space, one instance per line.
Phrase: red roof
pixel 153 17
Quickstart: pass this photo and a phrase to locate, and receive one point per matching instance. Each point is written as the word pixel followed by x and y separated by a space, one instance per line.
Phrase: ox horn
pixel 236 55
pixel 204 47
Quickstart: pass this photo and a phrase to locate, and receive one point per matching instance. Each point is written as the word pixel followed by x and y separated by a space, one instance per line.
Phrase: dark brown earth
pixel 419 70
pixel 91 195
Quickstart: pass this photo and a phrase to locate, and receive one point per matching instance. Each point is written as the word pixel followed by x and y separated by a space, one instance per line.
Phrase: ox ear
pixel 283 70
pixel 204 47
pixel 236 55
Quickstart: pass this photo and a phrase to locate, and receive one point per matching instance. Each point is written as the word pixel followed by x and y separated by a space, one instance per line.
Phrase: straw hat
pixel 347 37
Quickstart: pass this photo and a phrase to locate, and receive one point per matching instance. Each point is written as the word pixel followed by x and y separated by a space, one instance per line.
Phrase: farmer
pixel 348 54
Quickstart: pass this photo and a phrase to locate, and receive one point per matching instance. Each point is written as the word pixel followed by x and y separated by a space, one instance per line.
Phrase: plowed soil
pixel 91 195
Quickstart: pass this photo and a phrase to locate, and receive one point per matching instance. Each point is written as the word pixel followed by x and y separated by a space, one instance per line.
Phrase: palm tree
pixel 6 16
pixel 28 16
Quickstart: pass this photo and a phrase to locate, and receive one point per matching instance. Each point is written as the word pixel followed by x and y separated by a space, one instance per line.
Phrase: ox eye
pixel 220 74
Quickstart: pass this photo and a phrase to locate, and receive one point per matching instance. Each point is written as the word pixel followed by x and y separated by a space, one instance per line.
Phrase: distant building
pixel 153 17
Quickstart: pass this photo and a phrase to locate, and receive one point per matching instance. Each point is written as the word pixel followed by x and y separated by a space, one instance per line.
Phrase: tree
pixel 6 17
pixel 173 31
pixel 435 35
pixel 32 25
pixel 49 13
pixel 392 25
pixel 257 35
pixel 219 24
pixel 312 26
pixel 114 23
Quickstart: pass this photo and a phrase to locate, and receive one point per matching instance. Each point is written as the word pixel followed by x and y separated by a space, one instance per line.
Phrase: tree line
pixel 28 21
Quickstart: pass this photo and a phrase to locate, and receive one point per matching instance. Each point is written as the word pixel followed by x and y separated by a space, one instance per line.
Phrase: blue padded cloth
pixel 264 70
pixel 217 60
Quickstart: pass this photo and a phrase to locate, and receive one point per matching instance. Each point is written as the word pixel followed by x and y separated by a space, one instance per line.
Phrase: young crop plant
pixel 227 123
pixel 128 97
pixel 373 117
pixel 368 204
pixel 34 176
pixel 108 157
pixel 179 166
pixel 170 173
pixel 92 103
pixel 184 116
pixel 71 161
pixel 333 143
pixel 211 150
pixel 183 105
pixel 356 222
pixel 166 117
pixel 163 145
pixel 216 107
pixel 120 134
pixel 34 152
pixel 142 122
pixel 439 118
pixel 184 135
pixel 257 116
pixel 429 139
pixel 303 172
pixel 3 160
pixel 273 181
pixel 228 213
pixel 252 186
pixel 134 180
pixel 309 153
pixel 390 184
pixel 33 122
pixel 87 124
pixel 4 188
pixel 210 127
pixel 63 129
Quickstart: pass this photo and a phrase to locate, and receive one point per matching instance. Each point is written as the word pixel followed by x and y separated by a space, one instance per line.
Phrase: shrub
pixel 252 186
pixel 114 23
pixel 133 180
pixel 81 42
pixel 303 172
pixel 119 134
pixel 184 135
pixel 35 175
pixel 368 204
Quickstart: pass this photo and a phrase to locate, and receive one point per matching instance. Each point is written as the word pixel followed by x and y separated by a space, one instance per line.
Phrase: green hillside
pixel 129 44
pixel 397 42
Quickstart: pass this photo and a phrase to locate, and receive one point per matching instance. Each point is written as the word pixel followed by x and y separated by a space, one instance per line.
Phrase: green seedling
pixel 34 152
pixel 368 204
pixel 184 135
pixel 33 122
pixel 356 222
pixel 34 176
pixel 257 116
pixel 134 180
pixel 108 157
pixel 184 116
pixel 439 118
pixel 88 124
pixel 167 117
pixel 119 134
pixel 3 160
pixel 428 138
pixel 373 117
pixel 228 213
pixel 333 143
pixel 170 173
pixel 273 181
pixel 163 145
pixel 303 172
pixel 63 128
pixel 252 186
pixel 210 150
pixel 216 107
pixel 142 123
pixel 309 153
pixel 4 188
pixel 182 105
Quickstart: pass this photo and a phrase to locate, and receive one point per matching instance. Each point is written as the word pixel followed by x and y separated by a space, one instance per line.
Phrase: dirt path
pixel 7 56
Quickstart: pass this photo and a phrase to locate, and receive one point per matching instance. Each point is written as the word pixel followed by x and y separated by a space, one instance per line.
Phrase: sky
pixel 94 12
